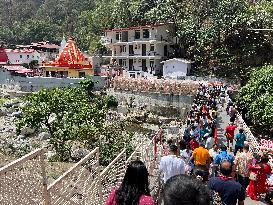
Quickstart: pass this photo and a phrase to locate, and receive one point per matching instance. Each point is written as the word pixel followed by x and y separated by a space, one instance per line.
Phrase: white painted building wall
pixel 176 67
pixel 48 56
pixel 22 57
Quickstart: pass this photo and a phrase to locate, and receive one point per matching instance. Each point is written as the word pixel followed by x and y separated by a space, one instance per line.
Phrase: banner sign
pixel 267 143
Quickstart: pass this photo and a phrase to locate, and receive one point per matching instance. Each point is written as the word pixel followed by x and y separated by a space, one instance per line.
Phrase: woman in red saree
pixel 259 186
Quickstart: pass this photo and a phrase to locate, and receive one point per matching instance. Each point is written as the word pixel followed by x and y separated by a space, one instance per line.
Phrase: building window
pixel 117 36
pixel 146 33
pixel 65 73
pixel 152 63
pixel 27 56
pixel 124 49
pixel 124 62
pixel 81 74
pixel 21 56
pixel 137 34
pixel 152 48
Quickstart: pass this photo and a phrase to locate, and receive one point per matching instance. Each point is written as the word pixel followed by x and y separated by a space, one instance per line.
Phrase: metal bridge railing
pixel 73 187
pixel 23 181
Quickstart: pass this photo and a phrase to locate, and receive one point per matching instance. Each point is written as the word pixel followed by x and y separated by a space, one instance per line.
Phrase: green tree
pixel 33 64
pixel 256 99
pixel 88 85
pixel 114 138
pixel 67 114
pixel 140 9
pixel 121 15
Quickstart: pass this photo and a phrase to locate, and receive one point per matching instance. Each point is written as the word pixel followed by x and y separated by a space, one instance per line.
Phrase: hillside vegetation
pixel 216 34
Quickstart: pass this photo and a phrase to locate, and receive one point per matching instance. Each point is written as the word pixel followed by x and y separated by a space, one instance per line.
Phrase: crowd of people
pixel 156 85
pixel 194 170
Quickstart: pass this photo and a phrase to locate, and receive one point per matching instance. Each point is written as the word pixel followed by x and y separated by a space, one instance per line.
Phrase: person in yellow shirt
pixel 201 161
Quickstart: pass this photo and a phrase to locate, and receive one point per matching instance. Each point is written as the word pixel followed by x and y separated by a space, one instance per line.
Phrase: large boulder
pixel 21 137
pixel 80 153
pixel 3 112
pixel 52 118
pixel 16 114
pixel 16 104
pixel 44 136
pixel 27 131
pixel 8 104
pixel 24 104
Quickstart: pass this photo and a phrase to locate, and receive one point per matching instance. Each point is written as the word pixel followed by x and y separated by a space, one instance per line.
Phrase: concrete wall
pixel 37 83
pixel 175 66
pixel 161 104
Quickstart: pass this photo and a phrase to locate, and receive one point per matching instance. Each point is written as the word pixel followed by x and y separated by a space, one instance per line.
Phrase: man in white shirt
pixel 171 165
pixel 213 152
pixel 209 141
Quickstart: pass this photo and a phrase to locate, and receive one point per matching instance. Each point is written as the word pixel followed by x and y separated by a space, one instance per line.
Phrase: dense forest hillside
pixel 216 34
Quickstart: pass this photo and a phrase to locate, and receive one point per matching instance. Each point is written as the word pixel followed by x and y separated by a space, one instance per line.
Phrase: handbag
pixel 253 176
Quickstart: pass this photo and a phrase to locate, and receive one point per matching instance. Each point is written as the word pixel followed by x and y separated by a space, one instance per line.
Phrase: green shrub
pixel 111 101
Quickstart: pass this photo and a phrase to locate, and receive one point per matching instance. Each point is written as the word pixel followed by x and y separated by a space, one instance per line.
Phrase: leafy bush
pixel 111 101
pixel 88 85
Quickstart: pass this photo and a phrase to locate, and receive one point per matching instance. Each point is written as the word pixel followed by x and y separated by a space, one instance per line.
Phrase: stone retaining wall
pixel 167 105
pixel 28 84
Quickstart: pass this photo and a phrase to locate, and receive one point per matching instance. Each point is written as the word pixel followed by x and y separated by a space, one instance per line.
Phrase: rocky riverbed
pixel 15 144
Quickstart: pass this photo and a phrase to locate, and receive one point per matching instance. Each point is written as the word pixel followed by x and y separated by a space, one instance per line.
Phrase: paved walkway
pixel 223 120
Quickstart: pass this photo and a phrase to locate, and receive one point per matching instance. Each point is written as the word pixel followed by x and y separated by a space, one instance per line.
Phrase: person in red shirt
pixel 230 133
pixel 193 143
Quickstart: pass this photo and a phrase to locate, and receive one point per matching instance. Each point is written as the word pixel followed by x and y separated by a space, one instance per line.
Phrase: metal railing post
pixel 45 191
pixel 101 202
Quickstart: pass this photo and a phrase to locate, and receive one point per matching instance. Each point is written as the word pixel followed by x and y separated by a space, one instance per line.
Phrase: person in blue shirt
pixel 240 138
pixel 223 156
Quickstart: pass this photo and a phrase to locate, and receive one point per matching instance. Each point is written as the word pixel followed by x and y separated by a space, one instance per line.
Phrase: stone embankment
pixel 14 143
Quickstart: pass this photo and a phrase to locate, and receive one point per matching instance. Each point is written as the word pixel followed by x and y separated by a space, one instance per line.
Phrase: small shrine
pixel 71 62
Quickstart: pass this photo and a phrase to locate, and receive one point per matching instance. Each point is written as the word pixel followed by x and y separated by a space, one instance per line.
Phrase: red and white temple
pixel 70 63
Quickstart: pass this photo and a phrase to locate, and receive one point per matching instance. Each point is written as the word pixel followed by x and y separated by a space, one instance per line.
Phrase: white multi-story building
pixel 140 50
pixel 20 56
pixel 40 52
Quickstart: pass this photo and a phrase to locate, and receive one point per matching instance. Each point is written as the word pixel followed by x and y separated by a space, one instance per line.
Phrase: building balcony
pixel 135 56
pixel 132 40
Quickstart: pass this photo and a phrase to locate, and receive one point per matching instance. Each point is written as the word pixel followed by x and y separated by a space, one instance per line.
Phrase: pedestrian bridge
pixel 25 180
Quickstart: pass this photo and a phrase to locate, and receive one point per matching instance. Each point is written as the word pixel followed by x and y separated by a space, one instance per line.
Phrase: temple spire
pixel 63 43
